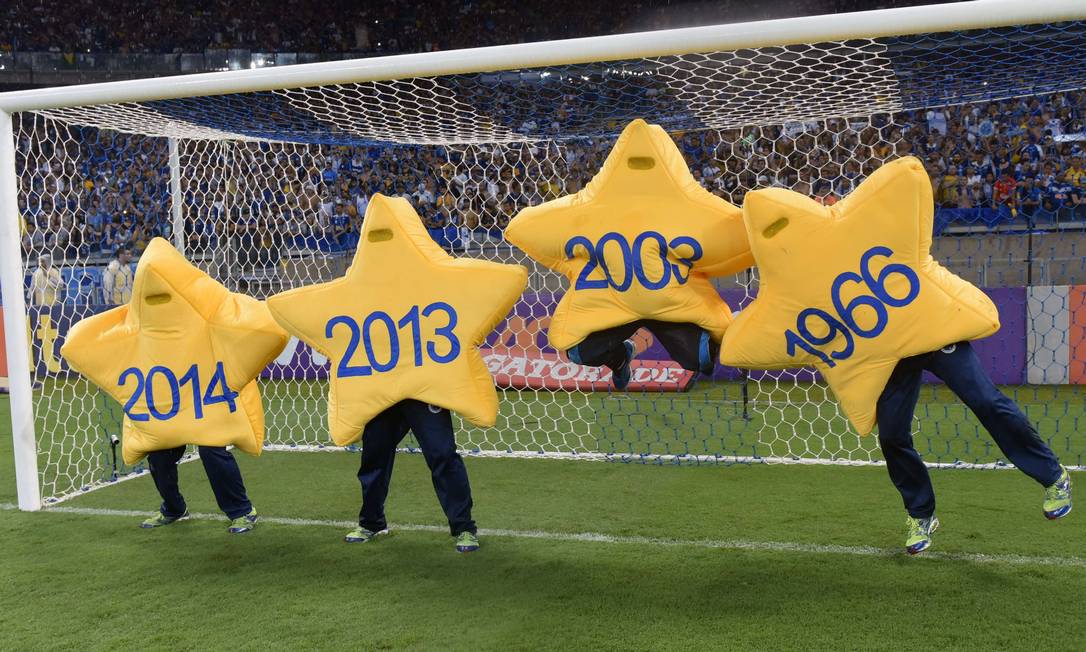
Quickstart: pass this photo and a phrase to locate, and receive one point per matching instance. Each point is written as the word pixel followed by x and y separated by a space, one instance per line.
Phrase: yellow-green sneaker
pixel 918 533
pixel 362 535
pixel 243 524
pixel 467 542
pixel 160 519
pixel 1058 497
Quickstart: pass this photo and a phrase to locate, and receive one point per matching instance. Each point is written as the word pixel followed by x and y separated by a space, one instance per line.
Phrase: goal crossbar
pixel 978 14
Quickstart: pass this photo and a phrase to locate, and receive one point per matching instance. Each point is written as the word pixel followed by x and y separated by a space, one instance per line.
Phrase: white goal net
pixel 266 191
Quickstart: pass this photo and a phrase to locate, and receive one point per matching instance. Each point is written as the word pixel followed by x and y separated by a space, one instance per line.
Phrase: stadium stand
pixel 1014 165
pixel 1009 165
pixel 359 28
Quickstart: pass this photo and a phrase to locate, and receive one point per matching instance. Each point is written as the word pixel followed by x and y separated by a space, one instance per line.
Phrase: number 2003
pixel 634 268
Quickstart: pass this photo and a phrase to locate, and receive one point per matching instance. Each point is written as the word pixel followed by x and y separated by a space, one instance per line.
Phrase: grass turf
pixel 794 420
pixel 98 582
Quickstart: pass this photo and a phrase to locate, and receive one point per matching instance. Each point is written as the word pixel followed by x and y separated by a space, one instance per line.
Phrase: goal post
pixel 257 174
pixel 18 352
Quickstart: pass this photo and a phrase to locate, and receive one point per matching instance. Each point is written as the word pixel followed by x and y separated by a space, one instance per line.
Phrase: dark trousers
pixel 682 341
pixel 222 471
pixel 959 368
pixel 433 429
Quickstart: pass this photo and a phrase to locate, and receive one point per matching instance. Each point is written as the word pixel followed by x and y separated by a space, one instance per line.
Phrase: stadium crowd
pixel 341 26
pixel 1007 162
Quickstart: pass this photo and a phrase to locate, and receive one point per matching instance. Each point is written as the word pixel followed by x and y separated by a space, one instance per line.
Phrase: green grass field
pixel 576 555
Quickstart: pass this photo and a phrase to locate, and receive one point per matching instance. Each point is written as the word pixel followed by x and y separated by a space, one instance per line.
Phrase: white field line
pixel 595 537
pixel 102 484
pixel 656 458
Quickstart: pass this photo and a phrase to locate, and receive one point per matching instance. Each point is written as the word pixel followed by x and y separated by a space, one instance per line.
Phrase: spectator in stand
pixel 1076 202
pixel 45 283
pixel 1060 193
pixel 1003 193
pixel 117 279
pixel 1076 174
pixel 341 225
pixel 1028 197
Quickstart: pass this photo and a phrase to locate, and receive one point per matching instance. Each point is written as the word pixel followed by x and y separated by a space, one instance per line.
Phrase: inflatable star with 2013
pixel 181 357
pixel 640 241
pixel 852 288
pixel 404 322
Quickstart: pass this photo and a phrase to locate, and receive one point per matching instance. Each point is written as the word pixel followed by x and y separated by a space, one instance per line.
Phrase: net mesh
pixel 272 187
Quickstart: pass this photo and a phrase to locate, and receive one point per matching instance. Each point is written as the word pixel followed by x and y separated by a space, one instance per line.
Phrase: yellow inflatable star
pixel 404 322
pixel 181 357
pixel 852 288
pixel 640 241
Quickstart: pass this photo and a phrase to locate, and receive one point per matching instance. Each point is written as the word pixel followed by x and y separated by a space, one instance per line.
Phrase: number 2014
pixel 144 387
pixel 845 323
pixel 411 319
pixel 631 257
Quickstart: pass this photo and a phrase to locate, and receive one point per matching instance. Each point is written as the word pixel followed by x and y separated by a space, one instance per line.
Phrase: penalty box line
pixel 595 537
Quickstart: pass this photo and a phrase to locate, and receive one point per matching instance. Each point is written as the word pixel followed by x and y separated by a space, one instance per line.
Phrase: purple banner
pixel 525 330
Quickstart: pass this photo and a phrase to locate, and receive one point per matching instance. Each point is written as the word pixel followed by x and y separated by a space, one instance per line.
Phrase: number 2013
pixel 845 323
pixel 412 319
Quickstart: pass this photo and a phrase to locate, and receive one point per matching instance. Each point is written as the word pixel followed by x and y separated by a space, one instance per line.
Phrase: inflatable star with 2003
pixel 640 241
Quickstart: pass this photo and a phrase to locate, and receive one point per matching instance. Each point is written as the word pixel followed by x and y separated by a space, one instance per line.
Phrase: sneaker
pixel 708 350
pixel 918 533
pixel 362 535
pixel 621 376
pixel 160 519
pixel 467 542
pixel 243 524
pixel 1058 497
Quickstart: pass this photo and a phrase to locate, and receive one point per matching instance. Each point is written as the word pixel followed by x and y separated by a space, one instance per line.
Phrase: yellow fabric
pixel 179 317
pixel 803 248
pixel 402 283
pixel 643 187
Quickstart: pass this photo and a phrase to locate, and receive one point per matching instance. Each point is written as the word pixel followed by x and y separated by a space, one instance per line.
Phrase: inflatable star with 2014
pixel 852 288
pixel 404 322
pixel 181 357
pixel 640 241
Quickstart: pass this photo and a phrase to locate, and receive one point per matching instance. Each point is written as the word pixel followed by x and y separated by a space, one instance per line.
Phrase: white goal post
pixel 192 151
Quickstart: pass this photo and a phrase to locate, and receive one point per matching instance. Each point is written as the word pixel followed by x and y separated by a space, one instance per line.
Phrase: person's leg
pixel 688 344
pixel 894 414
pixel 226 483
pixel 604 348
pixel 433 428
pixel 963 374
pixel 379 441
pixel 163 466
